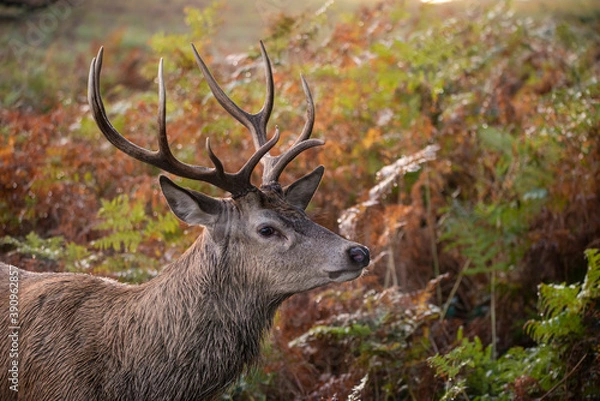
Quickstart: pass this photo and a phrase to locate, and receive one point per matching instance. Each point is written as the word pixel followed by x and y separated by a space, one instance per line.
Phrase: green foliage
pixel 53 249
pixel 469 356
pixel 128 225
pixel 78 258
pixel 248 386
pixel 128 267
pixel 490 233
pixel 591 284
pixel 35 247
pixel 203 25
pixel 469 369
pixel 124 220
pixel 563 307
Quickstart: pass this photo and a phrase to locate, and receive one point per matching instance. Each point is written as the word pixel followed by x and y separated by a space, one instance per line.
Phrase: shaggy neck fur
pixel 217 317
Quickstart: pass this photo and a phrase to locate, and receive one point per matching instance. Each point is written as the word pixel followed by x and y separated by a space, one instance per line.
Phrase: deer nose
pixel 360 255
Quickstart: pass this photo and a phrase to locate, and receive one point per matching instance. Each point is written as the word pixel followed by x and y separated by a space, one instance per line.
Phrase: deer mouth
pixel 344 275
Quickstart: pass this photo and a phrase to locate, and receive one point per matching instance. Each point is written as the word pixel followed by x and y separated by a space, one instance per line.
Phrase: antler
pixel 257 123
pixel 237 183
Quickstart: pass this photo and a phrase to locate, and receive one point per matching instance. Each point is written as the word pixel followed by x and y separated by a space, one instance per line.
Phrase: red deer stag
pixel 188 333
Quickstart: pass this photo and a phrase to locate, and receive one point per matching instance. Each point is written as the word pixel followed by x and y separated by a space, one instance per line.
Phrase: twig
pixel 455 288
pixel 564 378
pixel 430 223
pixel 493 314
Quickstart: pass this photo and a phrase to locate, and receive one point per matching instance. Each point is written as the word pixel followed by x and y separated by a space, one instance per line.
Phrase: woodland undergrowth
pixel 463 148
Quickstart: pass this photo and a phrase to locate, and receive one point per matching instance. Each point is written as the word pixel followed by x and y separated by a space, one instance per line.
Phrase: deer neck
pixel 217 281
pixel 217 315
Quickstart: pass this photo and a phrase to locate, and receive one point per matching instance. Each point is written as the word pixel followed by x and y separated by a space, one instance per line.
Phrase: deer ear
pixel 190 206
pixel 300 192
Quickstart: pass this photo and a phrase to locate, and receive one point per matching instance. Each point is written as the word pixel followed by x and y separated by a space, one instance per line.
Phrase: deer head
pixel 266 227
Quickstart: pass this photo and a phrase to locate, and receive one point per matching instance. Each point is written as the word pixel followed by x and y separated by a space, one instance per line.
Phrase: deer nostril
pixel 360 255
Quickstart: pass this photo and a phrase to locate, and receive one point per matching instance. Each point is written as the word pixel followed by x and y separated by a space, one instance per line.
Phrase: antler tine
pixel 97 106
pixel 163 142
pixel 274 165
pixel 310 112
pixel 255 123
pixel 238 183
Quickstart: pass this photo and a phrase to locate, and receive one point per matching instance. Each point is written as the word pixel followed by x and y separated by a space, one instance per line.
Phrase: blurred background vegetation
pixel 463 148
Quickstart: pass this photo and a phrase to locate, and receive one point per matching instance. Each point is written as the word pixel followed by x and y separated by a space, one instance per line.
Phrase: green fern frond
pixel 556 298
pixel 561 305
pixel 591 284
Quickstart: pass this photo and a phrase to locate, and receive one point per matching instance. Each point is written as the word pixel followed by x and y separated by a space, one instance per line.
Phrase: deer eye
pixel 267 231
